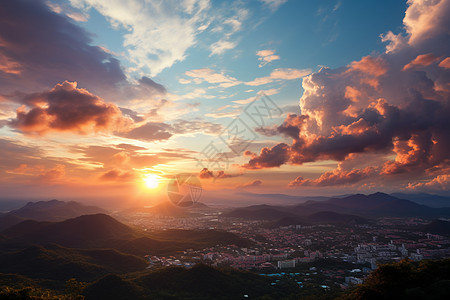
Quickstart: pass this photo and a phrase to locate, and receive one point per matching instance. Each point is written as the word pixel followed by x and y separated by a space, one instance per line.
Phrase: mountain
pixel 279 198
pixel 373 205
pixel 261 212
pixel 425 199
pixel 287 221
pixel 59 263
pixel 330 217
pixel 167 208
pixel 8 220
pixel 54 210
pixel 82 231
pixel 199 282
pixel 376 205
pixel 437 227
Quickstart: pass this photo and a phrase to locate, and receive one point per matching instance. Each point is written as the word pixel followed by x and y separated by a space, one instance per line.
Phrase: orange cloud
pixel 422 60
pixel 117 175
pixel 440 182
pixel 335 177
pixel 445 63
pixel 370 68
pixel 68 108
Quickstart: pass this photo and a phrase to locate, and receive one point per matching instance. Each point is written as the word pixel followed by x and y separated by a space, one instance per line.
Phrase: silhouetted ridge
pixel 81 231
pixel 54 210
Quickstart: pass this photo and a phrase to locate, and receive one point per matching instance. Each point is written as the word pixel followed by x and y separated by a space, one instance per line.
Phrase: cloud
pixel 150 131
pixel 440 182
pixel 153 86
pixel 196 126
pixel 158 131
pixel 228 22
pixel 221 46
pixel 335 177
pixel 422 60
pixel 273 4
pixel 48 48
pixel 67 108
pixel 266 56
pixel 254 183
pixel 205 173
pixel 268 158
pixel 269 92
pixel 425 20
pixel 118 175
pixel 173 24
pixel 211 76
pixel 445 63
pixel 279 74
pixel 374 105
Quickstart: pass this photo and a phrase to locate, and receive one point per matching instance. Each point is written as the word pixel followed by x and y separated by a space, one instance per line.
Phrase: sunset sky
pixel 110 98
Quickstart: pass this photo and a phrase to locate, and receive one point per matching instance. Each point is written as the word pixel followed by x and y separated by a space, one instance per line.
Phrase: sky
pixel 110 99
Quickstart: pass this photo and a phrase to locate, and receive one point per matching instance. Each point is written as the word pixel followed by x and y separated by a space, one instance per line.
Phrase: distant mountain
pixel 167 208
pixel 8 220
pixel 87 230
pixel 54 210
pixel 261 212
pixel 376 205
pixel 437 227
pixel 287 221
pixel 425 199
pixel 330 217
pixel 280 198
pixel 373 205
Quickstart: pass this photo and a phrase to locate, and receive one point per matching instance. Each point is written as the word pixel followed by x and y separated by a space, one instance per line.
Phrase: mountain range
pixel 358 205
pixel 52 211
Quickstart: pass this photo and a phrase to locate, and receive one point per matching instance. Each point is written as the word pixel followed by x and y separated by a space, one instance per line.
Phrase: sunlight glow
pixel 151 181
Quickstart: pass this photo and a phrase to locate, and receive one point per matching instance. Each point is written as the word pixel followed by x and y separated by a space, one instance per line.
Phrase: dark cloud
pixel 131 114
pixel 67 108
pixel 151 131
pixel 148 83
pixel 254 183
pixel 41 47
pixel 205 173
pixel 269 157
pixel 157 131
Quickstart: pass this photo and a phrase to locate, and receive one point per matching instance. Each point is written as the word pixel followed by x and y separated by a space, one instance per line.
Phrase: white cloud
pixel 228 25
pixel 266 56
pixel 273 4
pixel 280 74
pixel 221 46
pixel 211 76
pixel 269 92
pixel 159 32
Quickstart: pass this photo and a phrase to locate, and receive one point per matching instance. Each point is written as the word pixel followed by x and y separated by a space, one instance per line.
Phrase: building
pixel 284 264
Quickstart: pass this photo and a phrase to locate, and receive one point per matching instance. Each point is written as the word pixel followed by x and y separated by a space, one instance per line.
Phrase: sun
pixel 151 181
